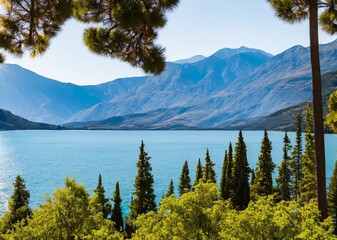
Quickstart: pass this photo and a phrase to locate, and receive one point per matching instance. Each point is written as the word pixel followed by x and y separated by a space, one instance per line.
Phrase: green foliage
pixel 208 171
pixel 68 214
pixel 198 173
pixel 296 158
pixel 185 180
pixel 226 177
pixel 307 184
pixel 331 118
pixel 117 213
pixel 127 30
pixel 332 198
pixel 283 180
pixel 103 203
pixel 263 183
pixel 240 194
pixel 201 215
pixel 19 210
pixel 144 197
pixel 29 25
pixel 170 189
pixel 195 215
pixel 289 10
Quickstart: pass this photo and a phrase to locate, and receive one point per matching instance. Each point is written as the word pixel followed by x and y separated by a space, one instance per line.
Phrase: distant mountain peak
pixel 226 53
pixel 193 59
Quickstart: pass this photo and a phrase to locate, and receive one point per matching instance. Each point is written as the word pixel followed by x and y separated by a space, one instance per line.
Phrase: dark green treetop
pixel 144 197
pixel 103 203
pixel 296 158
pixel 208 171
pixel 18 205
pixel 240 194
pixel 226 178
pixel 117 213
pixel 263 183
pixel 308 188
pixel 198 173
pixel 170 189
pixel 185 180
pixel 283 180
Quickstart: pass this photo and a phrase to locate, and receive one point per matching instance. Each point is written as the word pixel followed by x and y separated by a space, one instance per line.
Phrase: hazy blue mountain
pixel 180 85
pixel 229 86
pixel 193 59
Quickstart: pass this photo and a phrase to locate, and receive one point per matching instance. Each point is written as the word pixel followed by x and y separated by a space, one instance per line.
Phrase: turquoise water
pixel 45 158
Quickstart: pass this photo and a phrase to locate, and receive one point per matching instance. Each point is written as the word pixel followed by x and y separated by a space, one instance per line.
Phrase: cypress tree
pixel 332 198
pixel 252 180
pixel 225 185
pixel 209 173
pixel 223 179
pixel 117 213
pixel 104 206
pixel 240 191
pixel 185 180
pixel 264 169
pixel 296 158
pixel 144 197
pixel 198 174
pixel 18 205
pixel 283 180
pixel 170 189
pixel 307 185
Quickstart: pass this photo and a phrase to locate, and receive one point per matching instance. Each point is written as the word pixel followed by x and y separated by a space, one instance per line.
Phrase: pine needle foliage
pixel 185 180
pixel 208 171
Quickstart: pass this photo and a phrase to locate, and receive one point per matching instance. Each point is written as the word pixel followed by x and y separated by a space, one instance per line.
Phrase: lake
pixel 45 158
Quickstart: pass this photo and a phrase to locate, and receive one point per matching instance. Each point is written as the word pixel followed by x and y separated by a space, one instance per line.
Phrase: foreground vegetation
pixel 245 204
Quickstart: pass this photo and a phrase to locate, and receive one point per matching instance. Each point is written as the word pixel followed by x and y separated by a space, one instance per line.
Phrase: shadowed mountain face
pixel 229 86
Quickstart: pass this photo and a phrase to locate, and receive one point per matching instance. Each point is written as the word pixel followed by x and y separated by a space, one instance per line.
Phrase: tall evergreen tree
pixel 185 180
pixel 226 178
pixel 332 198
pixel 18 205
pixel 308 188
pixel 283 180
pixel 263 175
pixel 208 171
pixel 240 192
pixel 198 173
pixel 170 189
pixel 331 117
pixel 117 213
pixel 144 197
pixel 296 159
pixel 295 11
pixel 223 179
pixel 103 203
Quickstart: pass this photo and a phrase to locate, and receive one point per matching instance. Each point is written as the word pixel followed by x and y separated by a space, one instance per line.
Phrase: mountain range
pixel 228 87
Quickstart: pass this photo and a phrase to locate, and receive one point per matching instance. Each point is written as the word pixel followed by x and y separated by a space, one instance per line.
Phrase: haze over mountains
pixel 202 92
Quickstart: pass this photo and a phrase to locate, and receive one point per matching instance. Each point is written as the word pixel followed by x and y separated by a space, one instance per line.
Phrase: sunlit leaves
pixel 290 10
pixel 331 118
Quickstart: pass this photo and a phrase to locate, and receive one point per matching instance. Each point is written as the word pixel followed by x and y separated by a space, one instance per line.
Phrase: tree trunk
pixel 317 106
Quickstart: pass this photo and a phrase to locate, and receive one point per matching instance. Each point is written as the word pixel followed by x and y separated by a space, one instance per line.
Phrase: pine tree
pixel 144 197
pixel 283 180
pixel 263 175
pixel 198 174
pixel 208 171
pixel 296 159
pixel 332 198
pixel 104 206
pixel 185 180
pixel 170 189
pixel 18 205
pixel 117 213
pixel 308 189
pixel 252 180
pixel 226 178
pixel 240 192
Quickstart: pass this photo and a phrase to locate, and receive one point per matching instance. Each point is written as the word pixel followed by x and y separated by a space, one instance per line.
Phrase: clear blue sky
pixel 195 27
